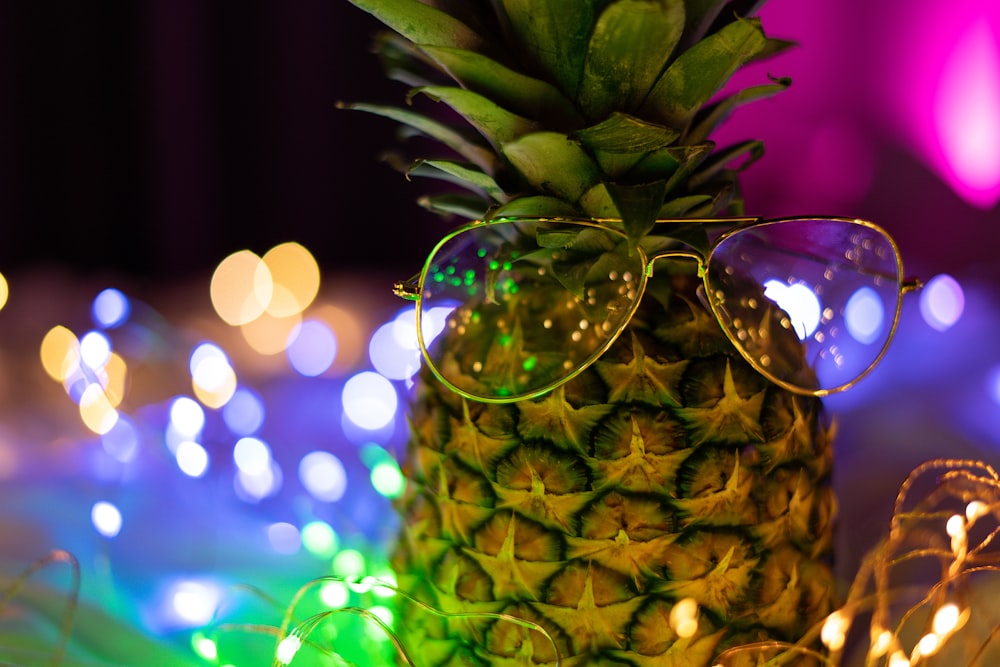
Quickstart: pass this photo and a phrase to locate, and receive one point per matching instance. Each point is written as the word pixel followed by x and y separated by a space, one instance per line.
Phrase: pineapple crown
pixel 601 108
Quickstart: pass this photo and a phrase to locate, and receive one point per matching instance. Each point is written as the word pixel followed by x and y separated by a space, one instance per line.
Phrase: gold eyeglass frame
pixel 412 289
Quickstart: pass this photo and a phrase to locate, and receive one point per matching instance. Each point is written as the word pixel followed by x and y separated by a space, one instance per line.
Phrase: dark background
pixel 153 138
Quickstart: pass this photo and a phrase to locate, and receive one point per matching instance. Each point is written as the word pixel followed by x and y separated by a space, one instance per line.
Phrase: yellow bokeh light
pixel 4 291
pixel 60 353
pixel 96 410
pixel 221 386
pixel 296 279
pixel 269 335
pixel 115 374
pixel 241 288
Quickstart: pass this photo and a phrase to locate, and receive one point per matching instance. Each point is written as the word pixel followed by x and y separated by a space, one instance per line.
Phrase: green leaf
pixel 521 94
pixel 631 44
pixel 597 202
pixel 535 206
pixel 553 36
pixel 460 174
pixel 496 124
pixel 621 141
pixel 422 24
pixel 682 206
pixel 702 70
pixel 638 206
pixel 721 110
pixel 750 151
pixel 622 133
pixel 468 207
pixel 458 142
pixel 678 161
pixel 552 162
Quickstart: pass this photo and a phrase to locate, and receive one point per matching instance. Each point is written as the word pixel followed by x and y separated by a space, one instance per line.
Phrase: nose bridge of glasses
pixel 676 254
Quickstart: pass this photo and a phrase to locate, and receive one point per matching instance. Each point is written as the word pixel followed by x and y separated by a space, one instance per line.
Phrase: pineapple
pixel 668 503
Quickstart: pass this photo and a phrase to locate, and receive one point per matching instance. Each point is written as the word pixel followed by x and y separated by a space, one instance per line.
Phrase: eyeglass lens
pixel 511 308
pixel 813 302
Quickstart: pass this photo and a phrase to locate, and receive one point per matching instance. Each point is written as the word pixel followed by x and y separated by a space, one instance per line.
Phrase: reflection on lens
pixel 864 316
pixel 521 305
pixel 799 302
pixel 810 302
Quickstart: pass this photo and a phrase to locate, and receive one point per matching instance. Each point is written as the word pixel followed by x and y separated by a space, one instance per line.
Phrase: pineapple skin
pixel 669 470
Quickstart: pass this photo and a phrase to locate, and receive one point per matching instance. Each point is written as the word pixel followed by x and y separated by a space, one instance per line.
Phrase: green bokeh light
pixel 320 539
pixel 349 563
pixel 388 479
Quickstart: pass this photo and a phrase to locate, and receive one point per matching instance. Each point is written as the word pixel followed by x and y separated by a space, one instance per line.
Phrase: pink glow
pixel 938 79
pixel 966 116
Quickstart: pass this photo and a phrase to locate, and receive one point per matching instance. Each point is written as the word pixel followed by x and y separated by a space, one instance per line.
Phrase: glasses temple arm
pixel 408 289
pixel 911 285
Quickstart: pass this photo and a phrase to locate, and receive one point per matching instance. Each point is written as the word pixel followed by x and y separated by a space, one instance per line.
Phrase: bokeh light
pixel 192 458
pixel 287 649
pixel 942 302
pixel 251 455
pixel 311 348
pixel 244 413
pixel 96 410
pixel 121 442
pixel 385 615
pixel 334 594
pixel 388 479
pixel 60 353
pixel 323 475
pixel 284 538
pixel 95 349
pixel 186 416
pixel 350 564
pixel 799 302
pixel 319 539
pixel 433 321
pixel 993 384
pixel 113 377
pixel 269 335
pixel 394 350
pixel 864 316
pixel 370 400
pixel 213 379
pixel 940 78
pixel 254 487
pixel 241 288
pixel 110 309
pixel 4 291
pixel 193 603
pixel 967 115
pixel 205 646
pixel 107 519
pixel 296 279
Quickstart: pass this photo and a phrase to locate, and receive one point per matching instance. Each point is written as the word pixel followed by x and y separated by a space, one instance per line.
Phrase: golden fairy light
pixel 295 275
pixel 266 296
pixel 684 618
pixel 60 353
pixel 4 291
pixel 96 410
pixel 241 288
